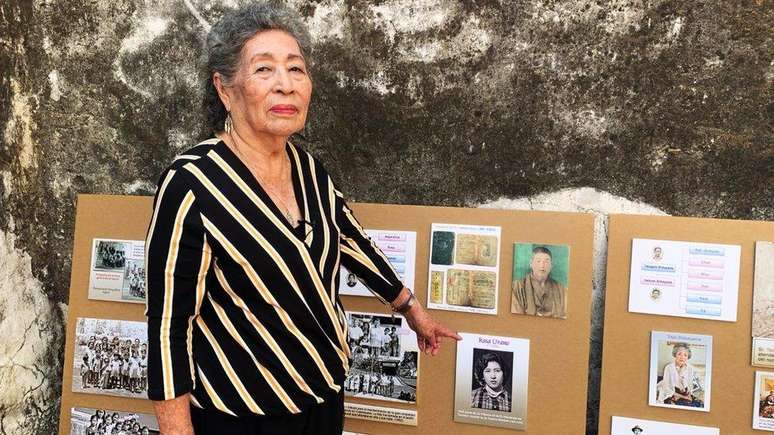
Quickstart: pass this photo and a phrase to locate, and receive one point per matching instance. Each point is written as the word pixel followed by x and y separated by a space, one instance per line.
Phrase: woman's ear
pixel 217 81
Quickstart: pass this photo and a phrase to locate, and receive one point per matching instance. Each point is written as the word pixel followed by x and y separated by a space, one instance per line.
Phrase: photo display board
pixel 632 371
pixel 558 347
pixel 102 217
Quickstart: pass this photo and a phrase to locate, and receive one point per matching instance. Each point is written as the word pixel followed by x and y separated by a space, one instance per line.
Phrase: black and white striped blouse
pixel 243 308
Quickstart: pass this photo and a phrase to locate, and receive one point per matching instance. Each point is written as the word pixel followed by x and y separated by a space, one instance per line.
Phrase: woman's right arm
pixel 177 261
pixel 174 415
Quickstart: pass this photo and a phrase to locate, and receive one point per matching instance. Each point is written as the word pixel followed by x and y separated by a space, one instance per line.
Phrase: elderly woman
pixel 491 375
pixel 677 385
pixel 246 331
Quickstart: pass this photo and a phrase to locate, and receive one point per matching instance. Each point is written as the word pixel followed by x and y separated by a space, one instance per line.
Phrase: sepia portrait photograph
pixel 680 371
pixel 110 358
pixel 540 280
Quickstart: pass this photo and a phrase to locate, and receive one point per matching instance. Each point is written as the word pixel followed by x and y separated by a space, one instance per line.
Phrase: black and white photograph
pixel 111 358
pixel 491 381
pixel 134 280
pixel 109 254
pixel 385 358
pixel 117 271
pixel 88 421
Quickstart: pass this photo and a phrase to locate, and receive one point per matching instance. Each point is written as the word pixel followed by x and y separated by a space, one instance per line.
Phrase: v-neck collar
pixel 247 176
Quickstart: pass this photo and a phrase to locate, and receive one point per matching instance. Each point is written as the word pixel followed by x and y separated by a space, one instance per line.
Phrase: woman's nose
pixel 283 83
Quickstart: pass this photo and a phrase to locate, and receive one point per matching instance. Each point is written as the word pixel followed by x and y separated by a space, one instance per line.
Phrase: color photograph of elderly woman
pixel 492 386
pixel 681 375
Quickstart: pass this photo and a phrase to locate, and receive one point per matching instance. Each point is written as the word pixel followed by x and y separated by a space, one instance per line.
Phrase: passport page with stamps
pixel 464 268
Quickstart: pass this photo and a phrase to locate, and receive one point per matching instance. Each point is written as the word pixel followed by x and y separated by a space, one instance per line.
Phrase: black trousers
pixel 326 418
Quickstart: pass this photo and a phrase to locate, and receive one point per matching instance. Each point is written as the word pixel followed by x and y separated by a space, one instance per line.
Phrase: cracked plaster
pixel 32 335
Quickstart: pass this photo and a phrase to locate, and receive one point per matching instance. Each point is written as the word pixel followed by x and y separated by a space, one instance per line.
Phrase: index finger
pixel 446 332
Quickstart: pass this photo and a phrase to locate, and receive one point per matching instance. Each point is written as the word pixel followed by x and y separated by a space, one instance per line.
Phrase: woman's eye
pixel 263 69
pixel 297 69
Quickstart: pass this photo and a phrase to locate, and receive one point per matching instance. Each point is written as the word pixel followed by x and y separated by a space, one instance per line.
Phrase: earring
pixel 228 125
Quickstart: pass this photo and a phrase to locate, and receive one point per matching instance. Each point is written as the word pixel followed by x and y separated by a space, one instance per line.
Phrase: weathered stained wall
pixel 445 102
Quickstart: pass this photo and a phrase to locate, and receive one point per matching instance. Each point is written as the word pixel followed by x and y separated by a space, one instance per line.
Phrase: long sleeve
pixel 668 382
pixel 361 256
pixel 177 261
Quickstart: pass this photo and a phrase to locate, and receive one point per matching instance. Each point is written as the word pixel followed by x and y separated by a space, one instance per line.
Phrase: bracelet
pixel 405 306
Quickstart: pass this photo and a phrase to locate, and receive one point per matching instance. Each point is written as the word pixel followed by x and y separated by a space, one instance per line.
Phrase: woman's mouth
pixel 284 109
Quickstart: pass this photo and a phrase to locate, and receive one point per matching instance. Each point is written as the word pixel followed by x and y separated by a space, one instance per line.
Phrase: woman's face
pixel 493 375
pixel 681 357
pixel 269 95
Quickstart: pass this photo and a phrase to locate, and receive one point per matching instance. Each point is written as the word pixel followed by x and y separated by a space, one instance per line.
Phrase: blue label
pixel 703 311
pixel 666 268
pixel 396 258
pixel 717 252
pixel 703 299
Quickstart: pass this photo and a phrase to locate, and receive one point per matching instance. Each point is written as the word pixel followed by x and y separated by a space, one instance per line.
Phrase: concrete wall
pixel 650 106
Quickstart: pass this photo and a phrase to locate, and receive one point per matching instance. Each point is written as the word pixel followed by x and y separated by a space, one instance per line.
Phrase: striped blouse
pixel 243 309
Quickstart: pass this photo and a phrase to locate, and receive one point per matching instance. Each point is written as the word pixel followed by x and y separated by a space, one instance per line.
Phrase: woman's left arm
pixel 361 256
pixel 429 331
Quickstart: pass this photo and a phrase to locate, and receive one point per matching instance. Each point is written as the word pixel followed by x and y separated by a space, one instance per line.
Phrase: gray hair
pixel 227 38
pixel 682 346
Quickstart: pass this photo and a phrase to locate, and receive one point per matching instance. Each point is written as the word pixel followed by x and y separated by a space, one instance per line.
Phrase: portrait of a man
pixel 658 253
pixel 540 280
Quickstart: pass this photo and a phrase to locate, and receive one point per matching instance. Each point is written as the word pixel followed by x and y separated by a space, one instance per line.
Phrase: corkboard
pixel 626 354
pixel 559 348
pixel 109 217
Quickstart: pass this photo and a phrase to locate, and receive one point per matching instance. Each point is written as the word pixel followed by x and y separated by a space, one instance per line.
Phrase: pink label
pixel 706 262
pixel 705 286
pixel 650 280
pixel 704 274
pixel 392 237
pixel 392 247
